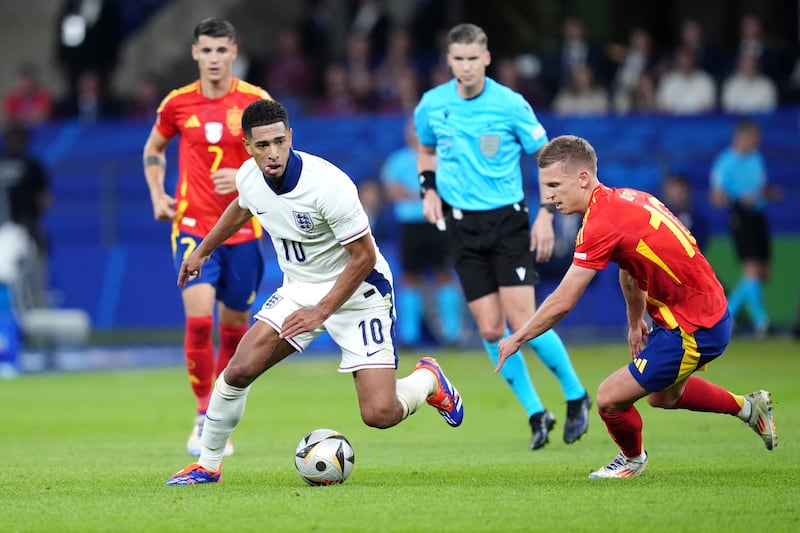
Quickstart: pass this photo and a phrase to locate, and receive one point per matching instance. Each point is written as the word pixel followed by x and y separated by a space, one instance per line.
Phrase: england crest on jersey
pixel 213 132
pixel 303 221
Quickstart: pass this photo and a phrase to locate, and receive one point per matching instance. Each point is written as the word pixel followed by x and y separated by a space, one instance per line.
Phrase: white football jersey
pixel 314 213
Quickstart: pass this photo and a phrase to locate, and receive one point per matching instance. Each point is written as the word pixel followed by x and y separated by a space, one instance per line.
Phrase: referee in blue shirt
pixel 472 131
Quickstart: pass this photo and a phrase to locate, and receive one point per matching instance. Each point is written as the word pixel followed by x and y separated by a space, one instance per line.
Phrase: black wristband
pixel 550 207
pixel 427 181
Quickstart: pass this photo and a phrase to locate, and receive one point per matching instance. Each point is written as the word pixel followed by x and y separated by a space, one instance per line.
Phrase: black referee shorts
pixel 750 233
pixel 490 249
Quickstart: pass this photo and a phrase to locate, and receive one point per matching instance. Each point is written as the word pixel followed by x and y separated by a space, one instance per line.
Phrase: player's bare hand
pixel 505 349
pixel 301 321
pixel 224 180
pixel 543 237
pixel 190 268
pixel 432 207
pixel 637 337
pixel 164 207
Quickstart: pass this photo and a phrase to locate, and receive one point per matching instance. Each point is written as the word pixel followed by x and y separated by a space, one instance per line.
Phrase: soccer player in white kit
pixel 335 280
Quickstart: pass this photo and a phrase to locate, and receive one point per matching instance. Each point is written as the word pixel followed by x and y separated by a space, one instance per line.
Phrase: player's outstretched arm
pixel 553 309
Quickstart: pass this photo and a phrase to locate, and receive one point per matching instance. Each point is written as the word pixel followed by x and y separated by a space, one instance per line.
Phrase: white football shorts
pixel 362 327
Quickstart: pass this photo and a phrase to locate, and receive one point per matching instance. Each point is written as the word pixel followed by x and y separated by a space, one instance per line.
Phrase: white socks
pixel 413 389
pixel 223 414
pixel 747 410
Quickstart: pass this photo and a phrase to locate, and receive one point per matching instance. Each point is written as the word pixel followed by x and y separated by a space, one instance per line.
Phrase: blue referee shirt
pixel 478 143
pixel 739 175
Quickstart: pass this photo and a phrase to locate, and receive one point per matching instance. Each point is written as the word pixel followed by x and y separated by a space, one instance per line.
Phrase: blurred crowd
pixel 385 67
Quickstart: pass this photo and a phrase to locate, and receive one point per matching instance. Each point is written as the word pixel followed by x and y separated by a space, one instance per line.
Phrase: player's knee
pixel 240 373
pixel 378 417
pixel 606 402
pixel 492 333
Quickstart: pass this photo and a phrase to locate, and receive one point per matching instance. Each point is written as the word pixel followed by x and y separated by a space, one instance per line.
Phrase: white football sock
pixel 413 389
pixel 747 409
pixel 223 414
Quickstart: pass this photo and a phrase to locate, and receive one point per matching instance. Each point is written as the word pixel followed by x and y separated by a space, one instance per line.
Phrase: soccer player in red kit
pixel 206 115
pixel 661 271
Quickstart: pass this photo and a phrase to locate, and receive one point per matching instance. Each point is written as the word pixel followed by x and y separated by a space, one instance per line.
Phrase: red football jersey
pixel 210 132
pixel 635 230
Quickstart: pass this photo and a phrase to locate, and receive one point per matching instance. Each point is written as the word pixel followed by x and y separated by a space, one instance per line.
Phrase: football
pixel 324 457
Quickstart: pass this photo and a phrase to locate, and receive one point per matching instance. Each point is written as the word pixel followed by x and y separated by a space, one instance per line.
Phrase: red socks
pixel 626 430
pixel 199 354
pixel 701 395
pixel 229 337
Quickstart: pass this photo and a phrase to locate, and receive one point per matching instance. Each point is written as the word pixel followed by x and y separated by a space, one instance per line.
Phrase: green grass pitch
pixel 91 451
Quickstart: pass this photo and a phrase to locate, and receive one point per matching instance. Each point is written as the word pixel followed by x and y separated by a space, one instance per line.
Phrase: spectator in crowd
pixel 677 196
pixel 337 99
pixel 423 255
pixel 370 19
pixel 637 59
pixel 317 28
pixel 748 90
pixel 739 184
pixel 146 96
pixel 686 89
pixel 290 75
pixel 91 102
pixel 28 102
pixel 641 99
pixel 89 39
pixel 576 49
pixel 753 43
pixel 404 95
pixel 522 74
pixel 399 61
pixel 691 37
pixel 581 96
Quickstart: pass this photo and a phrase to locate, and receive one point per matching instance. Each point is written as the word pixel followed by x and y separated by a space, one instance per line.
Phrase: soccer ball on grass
pixel 324 457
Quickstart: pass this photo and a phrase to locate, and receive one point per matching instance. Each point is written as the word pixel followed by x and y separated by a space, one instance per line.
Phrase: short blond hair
pixel 467 34
pixel 568 149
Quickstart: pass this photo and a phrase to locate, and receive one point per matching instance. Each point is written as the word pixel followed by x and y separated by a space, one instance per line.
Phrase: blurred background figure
pixel 686 89
pixel 575 49
pixel 89 37
pixel 677 196
pixel 28 102
pixel 24 196
pixel 643 98
pixel 423 256
pixel 747 90
pixel 581 96
pixel 637 59
pixel 739 184
pixel 91 102
pixel 147 94
pixel 290 75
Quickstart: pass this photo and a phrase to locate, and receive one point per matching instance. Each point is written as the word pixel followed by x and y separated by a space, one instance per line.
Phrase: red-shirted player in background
pixel 206 114
pixel 662 271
